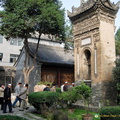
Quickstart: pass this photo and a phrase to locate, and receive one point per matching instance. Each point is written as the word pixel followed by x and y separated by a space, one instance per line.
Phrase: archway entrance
pixel 87 65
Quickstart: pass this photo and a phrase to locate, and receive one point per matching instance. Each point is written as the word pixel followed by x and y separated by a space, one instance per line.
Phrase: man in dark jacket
pixel 7 99
pixel 47 88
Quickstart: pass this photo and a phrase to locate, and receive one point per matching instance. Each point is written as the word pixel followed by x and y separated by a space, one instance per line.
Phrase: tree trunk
pixel 26 72
pixel 27 66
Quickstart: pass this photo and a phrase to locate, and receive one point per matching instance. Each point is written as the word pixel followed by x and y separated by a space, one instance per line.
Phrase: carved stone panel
pixel 96 37
pixel 86 25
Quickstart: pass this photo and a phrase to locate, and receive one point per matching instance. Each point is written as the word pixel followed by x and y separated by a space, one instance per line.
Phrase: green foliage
pixel 58 115
pixel 58 90
pixel 11 117
pixel 79 112
pixel 43 100
pixel 116 74
pixel 69 97
pixel 117 42
pixel 45 83
pixel 116 77
pixel 23 17
pixel 110 113
pixel 84 90
pixel 117 62
pixel 75 115
pixel 69 43
pixel 117 35
pixel 77 93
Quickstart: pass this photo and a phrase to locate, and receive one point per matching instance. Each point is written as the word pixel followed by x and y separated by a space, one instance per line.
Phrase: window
pixel 1 56
pixel 17 41
pixel 20 42
pixel 1 39
pixel 13 58
pixel 13 41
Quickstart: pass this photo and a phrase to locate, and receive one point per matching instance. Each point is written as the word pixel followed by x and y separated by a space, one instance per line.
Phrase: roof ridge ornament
pixel 118 4
pixel 88 5
pixel 83 1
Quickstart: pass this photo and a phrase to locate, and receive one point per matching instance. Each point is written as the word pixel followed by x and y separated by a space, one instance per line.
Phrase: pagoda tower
pixel 94 47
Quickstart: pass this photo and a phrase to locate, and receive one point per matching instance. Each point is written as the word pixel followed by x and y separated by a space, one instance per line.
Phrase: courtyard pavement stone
pixel 25 114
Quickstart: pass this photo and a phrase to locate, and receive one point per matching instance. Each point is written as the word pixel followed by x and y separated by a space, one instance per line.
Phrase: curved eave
pixel 80 10
pixel 106 5
pixel 111 7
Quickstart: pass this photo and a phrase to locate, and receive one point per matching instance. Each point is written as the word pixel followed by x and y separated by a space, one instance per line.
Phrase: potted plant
pixel 85 91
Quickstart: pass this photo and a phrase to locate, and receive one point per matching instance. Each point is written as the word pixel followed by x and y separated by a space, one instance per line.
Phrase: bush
pixel 59 115
pixel 77 93
pixel 116 77
pixel 110 113
pixel 68 98
pixel 84 90
pixel 58 90
pixel 42 100
pixel 11 117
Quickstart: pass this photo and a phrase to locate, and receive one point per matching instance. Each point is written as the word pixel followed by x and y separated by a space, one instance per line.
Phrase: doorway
pixel 87 65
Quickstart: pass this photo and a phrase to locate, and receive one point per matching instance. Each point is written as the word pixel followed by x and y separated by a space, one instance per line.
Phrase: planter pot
pixel 87 117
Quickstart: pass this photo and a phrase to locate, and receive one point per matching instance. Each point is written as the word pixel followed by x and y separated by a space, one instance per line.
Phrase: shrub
pixel 78 92
pixel 68 98
pixel 42 100
pixel 116 77
pixel 84 90
pixel 45 83
pixel 110 113
pixel 58 90
pixel 59 115
pixel 11 117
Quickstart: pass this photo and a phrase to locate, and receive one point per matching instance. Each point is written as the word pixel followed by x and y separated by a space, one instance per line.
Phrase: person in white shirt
pixel 62 86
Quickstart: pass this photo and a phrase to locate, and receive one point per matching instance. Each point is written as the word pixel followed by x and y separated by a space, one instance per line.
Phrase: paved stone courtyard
pixel 26 113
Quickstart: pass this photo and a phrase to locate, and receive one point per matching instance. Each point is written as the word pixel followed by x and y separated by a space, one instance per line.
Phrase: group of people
pixel 21 96
pixel 67 86
pixel 47 88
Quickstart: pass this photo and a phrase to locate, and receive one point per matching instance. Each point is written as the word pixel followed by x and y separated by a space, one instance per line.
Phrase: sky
pixel 67 4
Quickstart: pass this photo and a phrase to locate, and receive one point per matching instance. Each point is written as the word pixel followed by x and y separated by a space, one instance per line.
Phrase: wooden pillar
pixel 59 80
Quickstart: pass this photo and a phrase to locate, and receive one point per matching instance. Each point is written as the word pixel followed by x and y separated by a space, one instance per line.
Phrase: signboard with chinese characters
pixel 86 41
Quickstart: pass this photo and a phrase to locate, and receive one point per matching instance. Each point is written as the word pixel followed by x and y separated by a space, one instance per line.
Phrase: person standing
pixel 23 96
pixel 17 92
pixel 62 87
pixel 66 86
pixel 47 88
pixel 2 87
pixel 7 99
pixel 53 89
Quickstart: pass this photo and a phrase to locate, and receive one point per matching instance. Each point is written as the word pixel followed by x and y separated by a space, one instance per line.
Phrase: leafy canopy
pixel 117 42
pixel 116 74
pixel 22 18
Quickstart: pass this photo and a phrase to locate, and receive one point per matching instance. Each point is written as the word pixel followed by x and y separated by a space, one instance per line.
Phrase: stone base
pixel 104 94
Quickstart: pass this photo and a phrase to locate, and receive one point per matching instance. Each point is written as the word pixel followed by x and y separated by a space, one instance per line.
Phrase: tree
pixel 117 42
pixel 116 77
pixel 69 44
pixel 24 18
